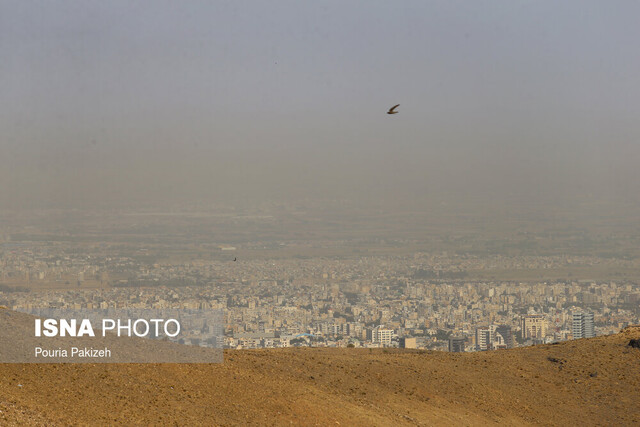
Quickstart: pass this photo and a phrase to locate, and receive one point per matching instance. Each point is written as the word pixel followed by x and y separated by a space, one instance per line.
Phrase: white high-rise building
pixel 381 335
pixel 582 325
pixel 484 338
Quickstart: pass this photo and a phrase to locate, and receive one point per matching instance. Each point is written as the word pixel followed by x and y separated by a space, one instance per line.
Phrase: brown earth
pixel 582 382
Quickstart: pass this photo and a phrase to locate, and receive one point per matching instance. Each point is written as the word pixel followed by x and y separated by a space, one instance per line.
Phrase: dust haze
pixel 506 110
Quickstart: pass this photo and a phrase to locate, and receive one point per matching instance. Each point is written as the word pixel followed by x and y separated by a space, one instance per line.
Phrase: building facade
pixel 484 338
pixel 380 335
pixel 457 344
pixel 503 337
pixel 533 326
pixel 582 325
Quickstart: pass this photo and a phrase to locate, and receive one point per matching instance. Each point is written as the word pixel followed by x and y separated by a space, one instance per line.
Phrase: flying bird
pixel 392 109
pixel 235 259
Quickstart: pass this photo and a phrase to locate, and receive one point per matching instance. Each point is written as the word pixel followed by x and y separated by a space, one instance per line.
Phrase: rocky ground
pixel 582 382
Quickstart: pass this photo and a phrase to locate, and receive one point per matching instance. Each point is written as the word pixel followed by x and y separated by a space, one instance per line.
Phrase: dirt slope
pixel 588 382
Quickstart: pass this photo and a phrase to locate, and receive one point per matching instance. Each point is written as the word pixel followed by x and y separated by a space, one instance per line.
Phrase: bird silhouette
pixel 392 109
pixel 235 259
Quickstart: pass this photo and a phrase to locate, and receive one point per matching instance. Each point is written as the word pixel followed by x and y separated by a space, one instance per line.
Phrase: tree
pixel 298 341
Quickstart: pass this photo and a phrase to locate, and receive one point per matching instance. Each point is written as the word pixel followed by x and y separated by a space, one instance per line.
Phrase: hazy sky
pixel 157 102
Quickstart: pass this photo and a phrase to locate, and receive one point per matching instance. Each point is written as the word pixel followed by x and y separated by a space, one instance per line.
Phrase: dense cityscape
pixel 424 300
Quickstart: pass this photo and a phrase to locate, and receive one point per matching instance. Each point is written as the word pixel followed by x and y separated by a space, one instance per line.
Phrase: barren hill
pixel 587 382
